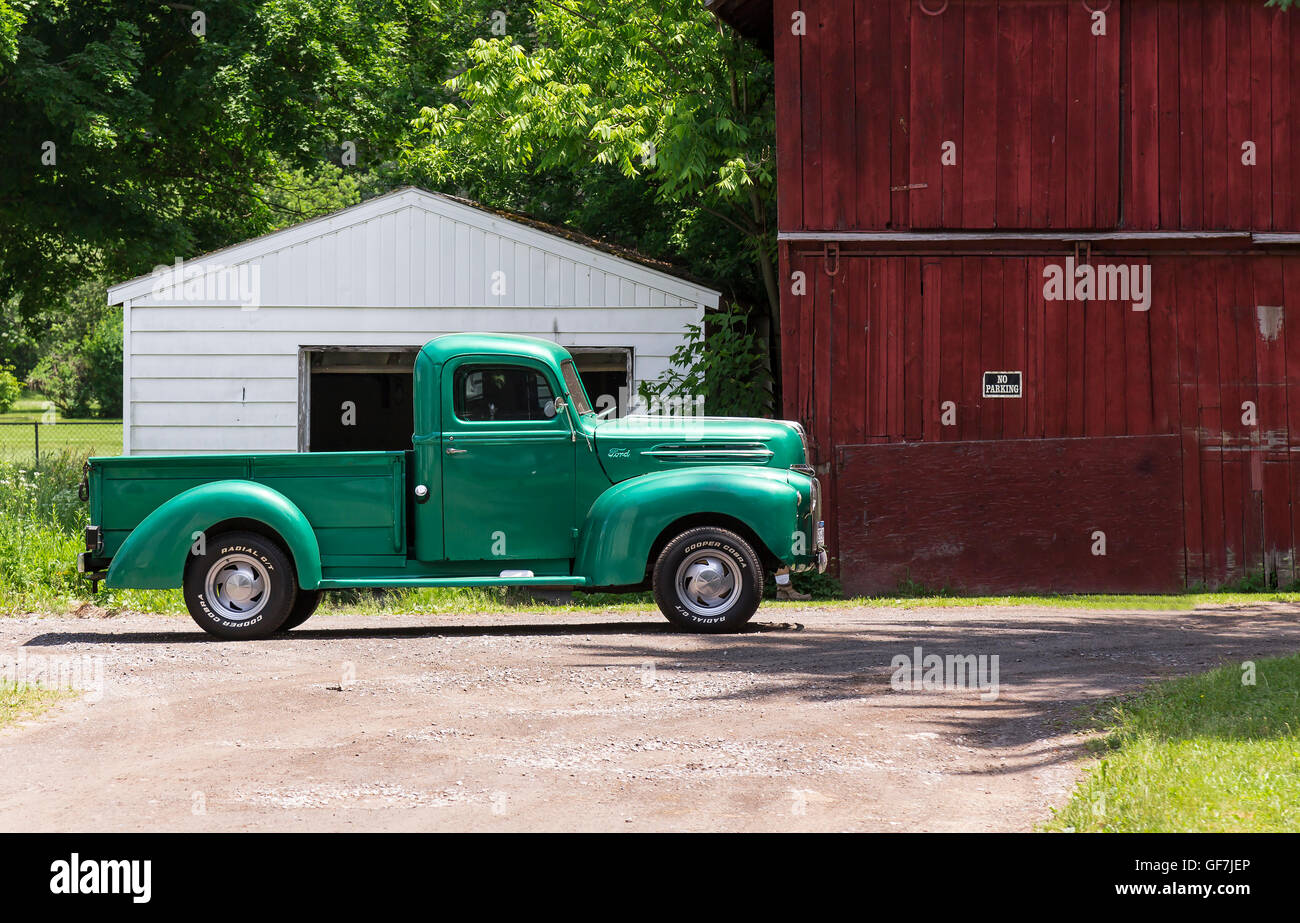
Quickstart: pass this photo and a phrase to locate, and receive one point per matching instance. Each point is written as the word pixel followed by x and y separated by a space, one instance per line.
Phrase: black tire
pixel 723 561
pixel 303 608
pixel 254 561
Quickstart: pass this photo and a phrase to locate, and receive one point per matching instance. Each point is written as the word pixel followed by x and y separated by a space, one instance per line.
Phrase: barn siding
pixel 1046 135
pixel 894 337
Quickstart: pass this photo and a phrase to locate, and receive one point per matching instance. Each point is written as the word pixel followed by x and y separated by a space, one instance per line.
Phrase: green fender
pixel 626 519
pixel 153 555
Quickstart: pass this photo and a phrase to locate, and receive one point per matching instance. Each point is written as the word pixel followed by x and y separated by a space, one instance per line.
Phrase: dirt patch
pixel 586 721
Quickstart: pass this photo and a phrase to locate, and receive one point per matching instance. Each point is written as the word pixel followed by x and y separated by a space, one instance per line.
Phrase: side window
pixel 504 392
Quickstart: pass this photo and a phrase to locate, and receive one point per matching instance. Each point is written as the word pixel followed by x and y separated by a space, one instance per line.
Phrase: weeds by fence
pixel 26 443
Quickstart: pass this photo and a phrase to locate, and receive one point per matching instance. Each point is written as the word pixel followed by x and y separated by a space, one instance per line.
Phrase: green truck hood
pixel 638 445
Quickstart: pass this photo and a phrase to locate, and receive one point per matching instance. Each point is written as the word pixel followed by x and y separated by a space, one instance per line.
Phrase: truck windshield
pixel 576 391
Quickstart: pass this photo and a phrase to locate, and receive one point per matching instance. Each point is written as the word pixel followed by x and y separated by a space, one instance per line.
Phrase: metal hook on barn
pixel 832 259
pixel 921 4
pixel 1104 9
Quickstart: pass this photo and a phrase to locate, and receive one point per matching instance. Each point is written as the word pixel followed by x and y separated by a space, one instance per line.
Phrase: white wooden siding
pixel 394 271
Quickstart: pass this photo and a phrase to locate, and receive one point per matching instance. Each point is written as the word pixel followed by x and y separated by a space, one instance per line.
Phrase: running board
pixel 416 582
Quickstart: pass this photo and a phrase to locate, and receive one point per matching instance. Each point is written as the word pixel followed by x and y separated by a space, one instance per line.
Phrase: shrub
pixel 81 371
pixel 10 387
pixel 721 359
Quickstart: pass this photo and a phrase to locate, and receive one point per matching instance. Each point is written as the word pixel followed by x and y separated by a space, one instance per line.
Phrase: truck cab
pixel 511 479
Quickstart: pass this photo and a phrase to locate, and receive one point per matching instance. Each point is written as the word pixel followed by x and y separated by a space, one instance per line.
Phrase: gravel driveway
pixel 584 721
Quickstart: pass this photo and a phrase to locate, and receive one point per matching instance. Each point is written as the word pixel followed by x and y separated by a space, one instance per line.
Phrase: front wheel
pixel 241 588
pixel 708 580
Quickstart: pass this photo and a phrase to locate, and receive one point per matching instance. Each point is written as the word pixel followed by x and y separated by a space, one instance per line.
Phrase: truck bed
pixel 355 501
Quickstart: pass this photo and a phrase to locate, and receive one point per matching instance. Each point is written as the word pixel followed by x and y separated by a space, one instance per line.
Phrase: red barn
pixel 1038 260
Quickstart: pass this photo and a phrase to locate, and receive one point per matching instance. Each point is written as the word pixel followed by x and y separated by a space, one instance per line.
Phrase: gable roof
pixel 556 243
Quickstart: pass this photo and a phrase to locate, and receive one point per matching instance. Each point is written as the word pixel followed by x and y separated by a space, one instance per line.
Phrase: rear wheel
pixel 241 588
pixel 708 580
pixel 303 608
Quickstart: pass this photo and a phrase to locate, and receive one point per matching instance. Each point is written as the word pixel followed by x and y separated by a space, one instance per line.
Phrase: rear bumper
pixel 89 561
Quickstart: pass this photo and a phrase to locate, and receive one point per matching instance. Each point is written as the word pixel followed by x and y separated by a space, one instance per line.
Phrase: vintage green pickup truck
pixel 512 480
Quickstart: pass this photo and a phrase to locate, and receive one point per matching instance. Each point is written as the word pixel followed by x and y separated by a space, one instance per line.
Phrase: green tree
pixel 137 131
pixel 657 93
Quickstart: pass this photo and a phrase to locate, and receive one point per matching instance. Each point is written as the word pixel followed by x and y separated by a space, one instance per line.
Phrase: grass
pixel 85 437
pixel 21 701
pixel 1203 753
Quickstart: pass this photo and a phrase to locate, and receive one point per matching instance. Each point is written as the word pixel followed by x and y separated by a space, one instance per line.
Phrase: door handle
pixel 451 451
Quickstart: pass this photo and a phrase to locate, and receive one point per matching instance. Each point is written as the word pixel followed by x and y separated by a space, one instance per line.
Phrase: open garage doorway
pixel 606 373
pixel 355 398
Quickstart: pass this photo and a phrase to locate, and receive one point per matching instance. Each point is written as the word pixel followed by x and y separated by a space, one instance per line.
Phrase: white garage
pixel 246 349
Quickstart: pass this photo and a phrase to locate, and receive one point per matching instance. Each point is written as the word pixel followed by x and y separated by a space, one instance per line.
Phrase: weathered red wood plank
pixel 839 169
pixel 1207 306
pixel 1081 120
pixel 980 120
pixel 953 89
pixel 1169 86
pixel 1014 342
pixel 1269 334
pixel 882 292
pixel 1261 122
pixel 1056 359
pixel 1139 383
pixel 950 347
pixel 913 349
pixel 900 90
pixel 1188 282
pixel 1191 96
pixel 823 382
pixel 810 110
pixel 792 355
pixel 1024 522
pixel 1233 443
pixel 1107 126
pixel 1114 384
pixel 844 394
pixel 1163 334
pixel 1015 93
pixel 1252 459
pixel 972 316
pixel 992 355
pixel 926 128
pixel 932 331
pixel 1142 178
pixel 872 112
pixel 856 386
pixel 1094 377
pixel 789 137
pixel 1214 104
pixel 1281 152
pixel 1035 347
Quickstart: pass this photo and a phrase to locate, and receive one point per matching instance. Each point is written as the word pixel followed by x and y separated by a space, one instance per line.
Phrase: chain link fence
pixel 26 443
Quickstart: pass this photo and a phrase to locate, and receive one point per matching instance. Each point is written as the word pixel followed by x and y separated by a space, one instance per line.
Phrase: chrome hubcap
pixel 238 587
pixel 708 583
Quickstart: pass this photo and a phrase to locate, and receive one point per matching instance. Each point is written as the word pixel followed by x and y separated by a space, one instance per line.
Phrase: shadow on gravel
pixel 56 638
pixel 1052 665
